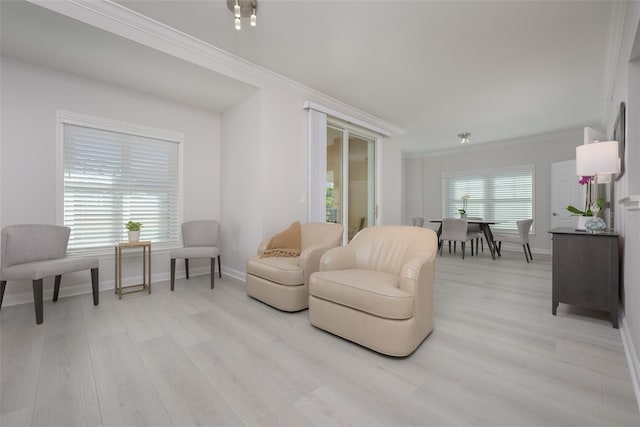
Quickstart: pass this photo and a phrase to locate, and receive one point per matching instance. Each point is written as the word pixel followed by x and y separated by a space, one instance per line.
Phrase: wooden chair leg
pixel 186 267
pixel 482 243
pixel 173 272
pixel 219 267
pixel 498 247
pixel 472 248
pixel 530 256
pixel 462 245
pixel 56 287
pixel 95 285
pixel 37 299
pixel 455 245
pixel 213 271
pixel 3 285
pixel 525 253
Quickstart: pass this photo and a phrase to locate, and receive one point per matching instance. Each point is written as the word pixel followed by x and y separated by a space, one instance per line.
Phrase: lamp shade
pixel 597 158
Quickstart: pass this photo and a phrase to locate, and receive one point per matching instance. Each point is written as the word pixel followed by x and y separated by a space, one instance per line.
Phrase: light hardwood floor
pixel 197 356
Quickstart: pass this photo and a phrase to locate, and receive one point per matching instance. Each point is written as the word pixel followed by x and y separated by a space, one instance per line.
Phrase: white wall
pixel 627 88
pixel 241 176
pixel 265 174
pixel 30 97
pixel 390 182
pixel 423 174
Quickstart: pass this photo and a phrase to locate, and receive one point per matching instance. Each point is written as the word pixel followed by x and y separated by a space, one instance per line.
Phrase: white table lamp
pixel 597 158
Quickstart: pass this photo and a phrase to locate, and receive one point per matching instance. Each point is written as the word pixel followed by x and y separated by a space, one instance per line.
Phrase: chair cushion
pixel 40 269
pixel 370 291
pixel 283 270
pixel 196 252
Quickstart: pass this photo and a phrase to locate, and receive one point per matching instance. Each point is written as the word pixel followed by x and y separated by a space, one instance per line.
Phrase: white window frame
pixel 492 172
pixel 71 118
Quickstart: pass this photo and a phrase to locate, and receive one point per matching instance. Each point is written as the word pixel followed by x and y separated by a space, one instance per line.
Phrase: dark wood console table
pixel 586 270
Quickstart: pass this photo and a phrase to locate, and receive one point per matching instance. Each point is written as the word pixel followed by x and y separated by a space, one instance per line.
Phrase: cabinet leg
pixel 554 307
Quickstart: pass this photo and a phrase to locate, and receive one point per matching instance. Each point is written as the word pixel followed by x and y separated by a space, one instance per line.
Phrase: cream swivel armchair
pixel 283 282
pixel 378 290
pixel 201 240
pixel 35 251
pixel 522 238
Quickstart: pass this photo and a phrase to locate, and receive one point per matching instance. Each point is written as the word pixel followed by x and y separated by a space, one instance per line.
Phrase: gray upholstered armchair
pixel 201 240
pixel 35 251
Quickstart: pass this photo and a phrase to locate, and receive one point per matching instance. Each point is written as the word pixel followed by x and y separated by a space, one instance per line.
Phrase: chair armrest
pixel 419 267
pixel 309 260
pixel 341 258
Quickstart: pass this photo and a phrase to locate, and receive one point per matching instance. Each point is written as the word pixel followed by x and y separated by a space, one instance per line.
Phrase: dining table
pixel 484 227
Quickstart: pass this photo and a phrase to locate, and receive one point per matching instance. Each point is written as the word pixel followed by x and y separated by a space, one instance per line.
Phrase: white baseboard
pixel 236 274
pixel 632 356
pixel 105 285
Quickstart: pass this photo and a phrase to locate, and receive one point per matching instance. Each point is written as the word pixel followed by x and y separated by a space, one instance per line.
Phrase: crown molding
pixel 124 22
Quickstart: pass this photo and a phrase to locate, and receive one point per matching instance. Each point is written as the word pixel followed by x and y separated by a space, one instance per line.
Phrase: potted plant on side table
pixel 133 231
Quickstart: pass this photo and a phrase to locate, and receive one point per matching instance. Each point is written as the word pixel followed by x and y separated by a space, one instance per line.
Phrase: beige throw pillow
pixel 285 244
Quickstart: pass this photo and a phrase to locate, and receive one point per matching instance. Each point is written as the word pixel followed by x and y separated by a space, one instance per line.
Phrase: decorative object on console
pixel 243 9
pixel 464 137
pixel 595 162
pixel 465 200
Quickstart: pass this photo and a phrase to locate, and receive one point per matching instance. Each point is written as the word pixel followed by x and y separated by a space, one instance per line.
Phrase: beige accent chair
pixel 283 282
pixel 378 290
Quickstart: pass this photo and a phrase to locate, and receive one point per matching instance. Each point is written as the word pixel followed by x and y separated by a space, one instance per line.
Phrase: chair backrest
pixel 523 230
pixel 417 222
pixel 473 228
pixel 325 234
pixel 387 248
pixel 24 243
pixel 203 232
pixel 454 229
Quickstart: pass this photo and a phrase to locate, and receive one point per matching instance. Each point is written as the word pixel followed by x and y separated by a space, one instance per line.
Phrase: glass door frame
pixel 348 130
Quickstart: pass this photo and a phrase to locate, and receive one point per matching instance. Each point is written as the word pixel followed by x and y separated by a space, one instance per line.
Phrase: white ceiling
pixel 498 69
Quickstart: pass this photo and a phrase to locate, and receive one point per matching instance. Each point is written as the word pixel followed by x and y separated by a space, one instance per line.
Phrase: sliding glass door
pixel 350 185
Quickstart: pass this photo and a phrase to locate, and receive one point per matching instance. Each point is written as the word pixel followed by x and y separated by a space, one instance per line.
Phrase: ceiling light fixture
pixel 243 9
pixel 464 137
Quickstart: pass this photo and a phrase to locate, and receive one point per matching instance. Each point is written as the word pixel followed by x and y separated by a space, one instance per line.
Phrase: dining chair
pixel 475 228
pixel 522 237
pixel 456 230
pixel 417 222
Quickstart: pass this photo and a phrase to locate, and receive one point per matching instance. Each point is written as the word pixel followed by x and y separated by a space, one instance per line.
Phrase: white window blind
pixel 502 195
pixel 113 177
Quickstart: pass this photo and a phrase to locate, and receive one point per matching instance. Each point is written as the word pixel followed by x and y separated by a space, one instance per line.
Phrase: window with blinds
pixel 112 177
pixel 502 195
